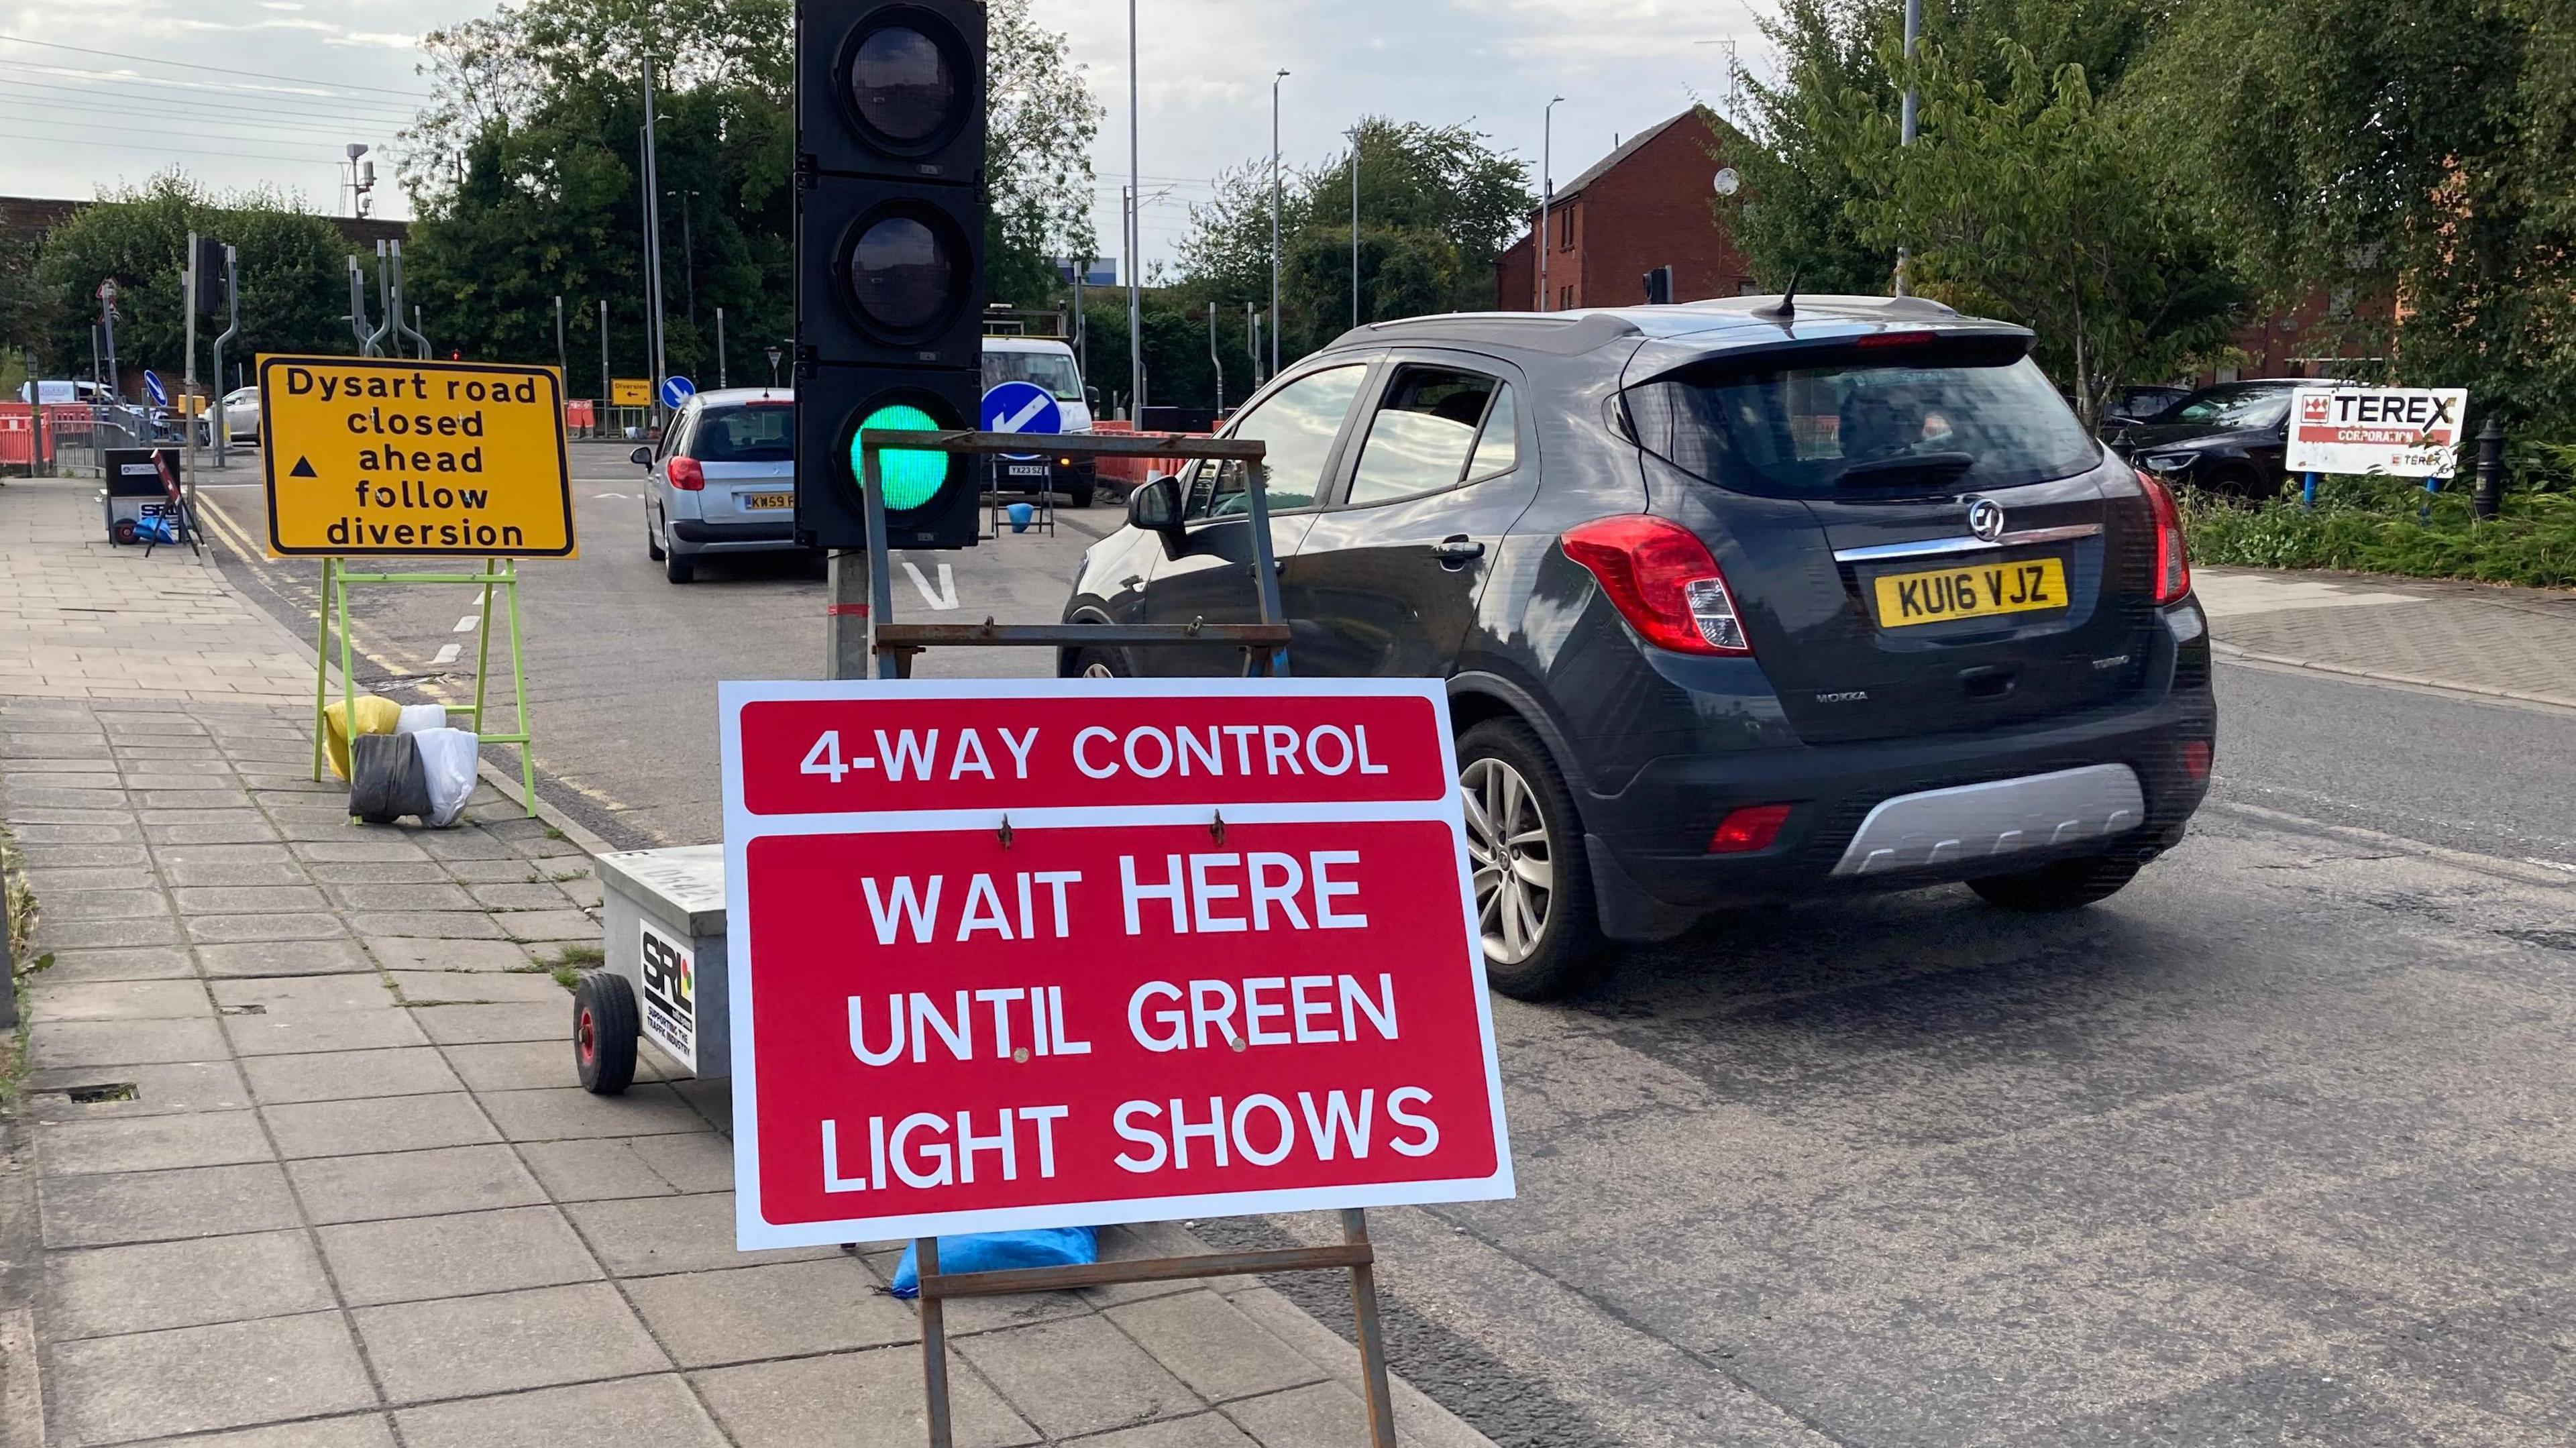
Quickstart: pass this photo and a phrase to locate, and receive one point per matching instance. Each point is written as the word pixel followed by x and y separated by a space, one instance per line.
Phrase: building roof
pixel 1622 152
pixel 44 213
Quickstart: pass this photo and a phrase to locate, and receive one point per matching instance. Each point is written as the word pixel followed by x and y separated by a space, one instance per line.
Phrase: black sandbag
pixel 386 780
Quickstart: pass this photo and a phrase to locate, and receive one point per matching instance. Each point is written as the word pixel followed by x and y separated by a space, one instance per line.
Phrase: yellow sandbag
pixel 375 716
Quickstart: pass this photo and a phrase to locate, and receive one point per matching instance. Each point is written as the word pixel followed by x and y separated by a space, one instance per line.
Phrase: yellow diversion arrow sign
pixel 387 457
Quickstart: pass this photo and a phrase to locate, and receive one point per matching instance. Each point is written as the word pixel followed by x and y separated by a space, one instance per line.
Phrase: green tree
pixel 2420 151
pixel 2034 204
pixel 27 305
pixel 294 289
pixel 1436 203
pixel 2037 188
pixel 526 173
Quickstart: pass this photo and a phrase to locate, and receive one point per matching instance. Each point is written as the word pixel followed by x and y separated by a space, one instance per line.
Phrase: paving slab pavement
pixel 2473 638
pixel 302 1163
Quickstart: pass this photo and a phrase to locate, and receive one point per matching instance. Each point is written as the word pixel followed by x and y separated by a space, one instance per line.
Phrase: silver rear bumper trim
pixel 1935 547
pixel 1999 817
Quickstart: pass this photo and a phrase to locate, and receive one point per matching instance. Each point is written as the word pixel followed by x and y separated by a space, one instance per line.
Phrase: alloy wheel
pixel 1098 670
pixel 1515 871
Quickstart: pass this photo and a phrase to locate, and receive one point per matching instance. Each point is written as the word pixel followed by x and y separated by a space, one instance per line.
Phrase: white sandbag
pixel 417 717
pixel 448 757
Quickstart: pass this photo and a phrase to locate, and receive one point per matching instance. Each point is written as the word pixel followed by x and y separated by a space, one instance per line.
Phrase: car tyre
pixel 1099 664
pixel 1533 882
pixel 2066 885
pixel 1082 496
pixel 679 568
pixel 604 1027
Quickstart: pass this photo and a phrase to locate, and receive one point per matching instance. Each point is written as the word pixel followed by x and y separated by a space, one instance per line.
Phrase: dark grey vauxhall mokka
pixel 1736 601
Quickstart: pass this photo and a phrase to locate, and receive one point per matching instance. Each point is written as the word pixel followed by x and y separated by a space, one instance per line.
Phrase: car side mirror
pixel 642 457
pixel 1155 507
pixel 1091 398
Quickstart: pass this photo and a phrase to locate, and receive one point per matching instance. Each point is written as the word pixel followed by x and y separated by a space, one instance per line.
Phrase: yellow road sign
pixel 386 457
pixel 630 392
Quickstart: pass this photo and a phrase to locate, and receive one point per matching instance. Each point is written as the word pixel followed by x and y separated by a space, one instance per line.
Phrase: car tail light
pixel 2173 565
pixel 685 474
pixel 1751 828
pixel 2195 759
pixel 1663 582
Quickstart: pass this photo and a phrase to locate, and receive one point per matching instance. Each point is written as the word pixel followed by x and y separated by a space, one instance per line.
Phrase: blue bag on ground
pixel 993 1251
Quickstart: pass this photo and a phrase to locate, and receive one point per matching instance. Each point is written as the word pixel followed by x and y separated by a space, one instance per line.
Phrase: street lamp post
pixel 1135 230
pixel 1274 221
pixel 1546 194
pixel 1905 117
pixel 1355 225
pixel 688 255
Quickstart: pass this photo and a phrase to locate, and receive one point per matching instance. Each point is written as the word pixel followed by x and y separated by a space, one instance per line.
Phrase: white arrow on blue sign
pixel 676 391
pixel 1021 407
pixel 152 384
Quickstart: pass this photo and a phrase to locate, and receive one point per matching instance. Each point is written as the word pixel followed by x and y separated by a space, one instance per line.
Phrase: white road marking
pixel 946 597
pixel 447 655
pixel 613 495
pixel 467 623
pixel 2551 864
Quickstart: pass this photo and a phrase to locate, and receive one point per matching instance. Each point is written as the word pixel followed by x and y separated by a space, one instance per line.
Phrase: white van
pixel 1048 362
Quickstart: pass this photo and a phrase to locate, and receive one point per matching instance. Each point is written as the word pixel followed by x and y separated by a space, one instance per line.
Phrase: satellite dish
pixel 1728 182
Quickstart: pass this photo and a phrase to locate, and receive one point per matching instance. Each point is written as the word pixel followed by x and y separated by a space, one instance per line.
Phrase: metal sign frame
pixel 500 573
pixel 888 650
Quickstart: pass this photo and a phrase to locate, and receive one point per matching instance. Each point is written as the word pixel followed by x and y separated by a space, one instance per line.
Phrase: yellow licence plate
pixel 769 500
pixel 1907 599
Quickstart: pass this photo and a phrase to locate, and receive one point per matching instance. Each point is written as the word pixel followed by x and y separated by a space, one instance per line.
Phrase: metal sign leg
pixel 934 1346
pixel 322 664
pixel 1371 1340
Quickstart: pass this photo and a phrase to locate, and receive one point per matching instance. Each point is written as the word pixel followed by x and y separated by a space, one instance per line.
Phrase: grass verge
pixel 2391 525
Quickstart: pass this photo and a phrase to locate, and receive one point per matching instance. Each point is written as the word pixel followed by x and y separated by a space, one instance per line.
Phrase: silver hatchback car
pixel 722 480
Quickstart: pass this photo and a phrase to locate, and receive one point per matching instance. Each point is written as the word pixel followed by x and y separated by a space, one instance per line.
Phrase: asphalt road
pixel 2276 1147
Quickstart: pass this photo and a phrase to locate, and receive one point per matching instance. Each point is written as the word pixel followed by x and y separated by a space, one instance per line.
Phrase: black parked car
pixel 2230 438
pixel 2138 402
pixel 1735 602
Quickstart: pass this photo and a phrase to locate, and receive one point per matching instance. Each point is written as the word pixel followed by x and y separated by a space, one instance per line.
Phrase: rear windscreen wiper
pixel 1937 467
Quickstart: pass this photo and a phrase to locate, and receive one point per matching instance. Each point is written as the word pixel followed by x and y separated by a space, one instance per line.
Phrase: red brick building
pixel 1646 204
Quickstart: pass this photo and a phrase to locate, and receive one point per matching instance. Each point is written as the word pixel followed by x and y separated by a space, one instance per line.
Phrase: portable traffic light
pixel 889 262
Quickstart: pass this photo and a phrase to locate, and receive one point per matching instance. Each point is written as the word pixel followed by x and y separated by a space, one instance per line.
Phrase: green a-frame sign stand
pixel 498 573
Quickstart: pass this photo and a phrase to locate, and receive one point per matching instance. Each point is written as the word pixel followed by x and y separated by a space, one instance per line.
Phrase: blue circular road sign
pixel 676 391
pixel 1021 407
pixel 152 384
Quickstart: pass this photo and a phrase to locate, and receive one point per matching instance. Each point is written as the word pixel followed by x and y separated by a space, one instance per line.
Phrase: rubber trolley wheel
pixel 604 1027
pixel 123 532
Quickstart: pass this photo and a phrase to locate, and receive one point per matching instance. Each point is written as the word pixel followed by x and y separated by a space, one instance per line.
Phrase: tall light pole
pixel 653 249
pixel 1355 224
pixel 563 360
pixel 688 253
pixel 1905 115
pixel 1546 194
pixel 1135 228
pixel 1274 221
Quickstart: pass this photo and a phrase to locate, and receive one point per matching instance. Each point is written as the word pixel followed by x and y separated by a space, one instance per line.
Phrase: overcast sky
pixel 242 92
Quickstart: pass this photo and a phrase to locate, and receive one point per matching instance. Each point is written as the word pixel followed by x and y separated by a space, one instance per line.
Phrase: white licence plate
pixel 1027 470
pixel 765 501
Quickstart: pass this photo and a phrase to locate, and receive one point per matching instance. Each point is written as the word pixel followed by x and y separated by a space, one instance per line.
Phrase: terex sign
pixel 2411 432
pixel 1012 953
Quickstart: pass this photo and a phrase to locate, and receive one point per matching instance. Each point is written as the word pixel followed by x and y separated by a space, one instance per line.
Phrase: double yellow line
pixel 255 558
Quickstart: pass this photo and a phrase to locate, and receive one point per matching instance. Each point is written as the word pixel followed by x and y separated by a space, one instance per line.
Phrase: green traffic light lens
pixel 910 478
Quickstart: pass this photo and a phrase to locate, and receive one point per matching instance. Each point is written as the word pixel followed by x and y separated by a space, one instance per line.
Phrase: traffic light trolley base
pixel 889 650
pixel 498 573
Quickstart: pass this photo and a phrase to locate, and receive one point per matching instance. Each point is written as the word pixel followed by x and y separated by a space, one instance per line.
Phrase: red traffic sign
pixel 1021 953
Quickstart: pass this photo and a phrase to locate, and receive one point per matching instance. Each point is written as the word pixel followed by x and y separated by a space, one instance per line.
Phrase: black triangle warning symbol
pixel 303 468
